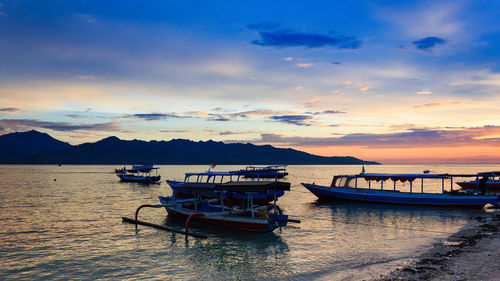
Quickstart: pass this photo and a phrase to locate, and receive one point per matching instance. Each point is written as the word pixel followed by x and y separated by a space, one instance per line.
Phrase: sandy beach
pixel 470 254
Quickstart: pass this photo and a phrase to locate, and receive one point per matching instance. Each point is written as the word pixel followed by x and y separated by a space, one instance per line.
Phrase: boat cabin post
pixel 221 201
pixel 275 199
pixel 251 203
pixel 477 184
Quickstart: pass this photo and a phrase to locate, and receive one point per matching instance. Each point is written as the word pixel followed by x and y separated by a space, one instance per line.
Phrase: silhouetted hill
pixel 112 150
pixel 15 147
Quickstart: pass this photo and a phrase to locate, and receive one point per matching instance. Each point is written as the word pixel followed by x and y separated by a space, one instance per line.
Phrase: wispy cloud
pixel 326 112
pixel 76 116
pixel 217 117
pixel 438 103
pixel 300 120
pixel 17 124
pixel 9 109
pixel 272 37
pixel 219 114
pixel 303 65
pixel 184 130
pixel 428 43
pixel 154 116
pixel 225 133
pixel 424 92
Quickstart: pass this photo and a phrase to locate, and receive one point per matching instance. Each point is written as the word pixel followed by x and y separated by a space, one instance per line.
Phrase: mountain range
pixel 34 147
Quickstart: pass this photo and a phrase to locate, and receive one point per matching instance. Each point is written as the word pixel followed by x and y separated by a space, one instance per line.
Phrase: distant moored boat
pixel 139 173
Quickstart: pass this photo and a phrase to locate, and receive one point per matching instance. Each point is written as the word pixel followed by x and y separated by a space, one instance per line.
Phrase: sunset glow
pixel 398 83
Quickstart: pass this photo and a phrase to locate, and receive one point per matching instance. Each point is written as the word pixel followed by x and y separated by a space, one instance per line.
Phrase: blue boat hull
pixel 140 179
pixel 401 198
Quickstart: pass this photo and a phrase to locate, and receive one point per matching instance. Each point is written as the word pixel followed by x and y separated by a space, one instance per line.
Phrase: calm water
pixel 65 223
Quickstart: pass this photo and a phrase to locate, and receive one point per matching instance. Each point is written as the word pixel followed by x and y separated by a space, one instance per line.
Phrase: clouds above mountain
pixel 24 124
pixel 413 137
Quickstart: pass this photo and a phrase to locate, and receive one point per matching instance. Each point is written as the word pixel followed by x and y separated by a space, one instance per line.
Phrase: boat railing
pixel 218 177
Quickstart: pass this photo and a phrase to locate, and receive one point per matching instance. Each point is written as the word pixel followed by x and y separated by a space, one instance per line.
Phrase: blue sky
pixel 397 82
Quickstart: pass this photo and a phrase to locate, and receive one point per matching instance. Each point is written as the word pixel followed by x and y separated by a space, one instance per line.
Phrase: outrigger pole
pixel 157 226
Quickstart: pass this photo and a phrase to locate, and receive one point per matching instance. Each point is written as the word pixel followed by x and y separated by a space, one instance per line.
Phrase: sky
pixel 399 82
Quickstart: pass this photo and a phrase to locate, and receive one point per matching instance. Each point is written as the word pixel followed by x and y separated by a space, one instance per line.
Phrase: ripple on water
pixel 71 229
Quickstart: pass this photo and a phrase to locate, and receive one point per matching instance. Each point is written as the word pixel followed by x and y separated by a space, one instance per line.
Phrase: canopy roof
pixel 253 186
pixel 411 177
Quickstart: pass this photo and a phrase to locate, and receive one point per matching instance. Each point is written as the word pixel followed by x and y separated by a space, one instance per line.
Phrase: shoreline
pixel 470 254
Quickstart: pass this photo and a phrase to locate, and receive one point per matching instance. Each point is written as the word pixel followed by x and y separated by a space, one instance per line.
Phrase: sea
pixel 65 223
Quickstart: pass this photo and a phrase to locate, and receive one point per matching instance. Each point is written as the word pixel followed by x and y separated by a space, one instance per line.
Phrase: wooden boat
pixel 347 187
pixel 209 179
pixel 491 182
pixel 220 212
pixel 140 173
pixel 264 172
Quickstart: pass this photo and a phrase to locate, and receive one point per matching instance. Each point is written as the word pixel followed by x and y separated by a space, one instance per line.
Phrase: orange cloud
pixel 437 104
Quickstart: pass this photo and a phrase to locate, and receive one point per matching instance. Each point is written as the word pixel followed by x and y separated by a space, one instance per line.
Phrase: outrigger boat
pixel 264 172
pixel 492 182
pixel 139 173
pixel 348 187
pixel 220 212
pixel 209 179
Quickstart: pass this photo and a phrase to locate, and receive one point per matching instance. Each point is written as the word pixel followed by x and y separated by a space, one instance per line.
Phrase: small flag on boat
pixel 212 165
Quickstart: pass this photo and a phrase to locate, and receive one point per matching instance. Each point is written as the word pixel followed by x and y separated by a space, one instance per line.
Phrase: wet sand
pixel 470 254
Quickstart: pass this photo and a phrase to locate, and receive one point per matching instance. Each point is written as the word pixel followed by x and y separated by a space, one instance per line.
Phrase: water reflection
pixel 382 218
pixel 240 256
pixel 71 229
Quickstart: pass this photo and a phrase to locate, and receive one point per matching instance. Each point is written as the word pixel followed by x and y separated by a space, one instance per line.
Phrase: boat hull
pixel 490 185
pixel 400 198
pixel 244 223
pixel 139 179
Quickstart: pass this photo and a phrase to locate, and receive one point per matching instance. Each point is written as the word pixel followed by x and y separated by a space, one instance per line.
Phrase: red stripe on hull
pixel 255 227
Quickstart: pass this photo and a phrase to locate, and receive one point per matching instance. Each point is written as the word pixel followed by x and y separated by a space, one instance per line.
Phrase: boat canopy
pixel 489 174
pixel 253 186
pixel 211 174
pixel 399 177
pixel 142 168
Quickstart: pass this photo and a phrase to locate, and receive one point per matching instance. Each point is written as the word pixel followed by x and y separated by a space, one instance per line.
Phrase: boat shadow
pixel 377 216
pixel 227 233
pixel 393 208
